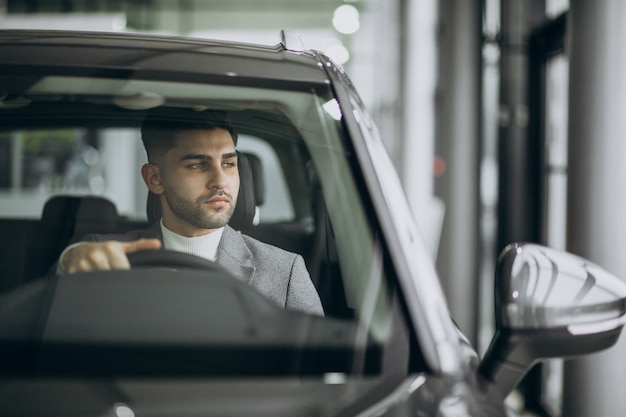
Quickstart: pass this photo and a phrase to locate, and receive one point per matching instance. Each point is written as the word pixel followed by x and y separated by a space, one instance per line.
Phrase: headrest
pixel 246 200
pixel 78 215
pixel 64 220
pixel 257 174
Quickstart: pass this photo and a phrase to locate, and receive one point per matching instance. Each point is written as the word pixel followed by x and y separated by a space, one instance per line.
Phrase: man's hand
pixel 90 256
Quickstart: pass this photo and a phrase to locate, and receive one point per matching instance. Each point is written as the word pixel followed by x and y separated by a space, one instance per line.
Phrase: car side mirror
pixel 549 304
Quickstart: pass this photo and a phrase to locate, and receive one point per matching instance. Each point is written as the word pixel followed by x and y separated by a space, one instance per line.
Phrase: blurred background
pixel 504 119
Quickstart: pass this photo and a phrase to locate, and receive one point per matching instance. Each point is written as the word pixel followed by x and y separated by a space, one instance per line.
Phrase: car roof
pixel 148 53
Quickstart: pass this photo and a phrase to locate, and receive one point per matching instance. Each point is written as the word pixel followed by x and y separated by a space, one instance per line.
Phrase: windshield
pixel 72 158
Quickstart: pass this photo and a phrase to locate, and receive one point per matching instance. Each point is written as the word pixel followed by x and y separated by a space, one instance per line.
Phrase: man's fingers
pixel 104 255
pixel 141 244
pixel 116 256
pixel 89 256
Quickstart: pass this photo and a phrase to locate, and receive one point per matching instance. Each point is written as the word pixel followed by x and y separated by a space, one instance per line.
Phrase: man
pixel 192 168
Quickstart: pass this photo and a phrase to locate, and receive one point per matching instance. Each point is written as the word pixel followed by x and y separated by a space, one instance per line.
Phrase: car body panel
pixel 146 54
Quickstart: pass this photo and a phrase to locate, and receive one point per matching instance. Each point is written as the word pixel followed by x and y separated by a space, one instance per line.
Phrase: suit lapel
pixel 153 232
pixel 233 254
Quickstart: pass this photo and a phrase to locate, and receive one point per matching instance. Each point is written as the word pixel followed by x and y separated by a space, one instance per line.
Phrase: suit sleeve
pixel 301 293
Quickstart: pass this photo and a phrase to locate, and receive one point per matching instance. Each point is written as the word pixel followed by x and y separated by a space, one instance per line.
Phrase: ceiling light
pixel 346 19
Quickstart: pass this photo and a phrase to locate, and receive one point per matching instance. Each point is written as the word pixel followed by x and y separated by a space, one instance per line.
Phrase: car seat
pixel 65 220
pixel 258 179
pixel 323 261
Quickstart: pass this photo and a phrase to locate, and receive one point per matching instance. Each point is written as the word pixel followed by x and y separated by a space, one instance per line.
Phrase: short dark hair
pixel 158 129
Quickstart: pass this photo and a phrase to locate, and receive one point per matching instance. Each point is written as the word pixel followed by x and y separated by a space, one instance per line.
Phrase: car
pixel 180 335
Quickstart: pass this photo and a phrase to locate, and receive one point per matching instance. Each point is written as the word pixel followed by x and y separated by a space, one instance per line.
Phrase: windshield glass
pixel 74 165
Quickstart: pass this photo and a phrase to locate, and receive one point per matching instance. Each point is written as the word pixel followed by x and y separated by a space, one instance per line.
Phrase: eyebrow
pixel 201 156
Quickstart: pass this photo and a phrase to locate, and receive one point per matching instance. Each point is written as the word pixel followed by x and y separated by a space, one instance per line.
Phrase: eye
pixel 229 164
pixel 197 165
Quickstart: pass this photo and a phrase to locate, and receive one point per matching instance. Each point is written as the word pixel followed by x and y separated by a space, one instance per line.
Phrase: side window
pixel 277 205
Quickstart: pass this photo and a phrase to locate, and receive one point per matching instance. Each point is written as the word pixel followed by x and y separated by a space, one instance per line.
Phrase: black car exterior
pixel 391 349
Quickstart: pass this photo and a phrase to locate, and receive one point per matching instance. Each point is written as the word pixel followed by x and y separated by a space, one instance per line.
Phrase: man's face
pixel 200 182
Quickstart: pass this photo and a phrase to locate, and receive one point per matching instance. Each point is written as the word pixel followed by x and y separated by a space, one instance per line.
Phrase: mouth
pixel 217 201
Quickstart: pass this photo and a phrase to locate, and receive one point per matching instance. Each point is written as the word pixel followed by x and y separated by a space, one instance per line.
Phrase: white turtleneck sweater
pixel 204 246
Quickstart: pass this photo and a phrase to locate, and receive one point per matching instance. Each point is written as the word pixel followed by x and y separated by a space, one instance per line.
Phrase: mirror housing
pixel 549 304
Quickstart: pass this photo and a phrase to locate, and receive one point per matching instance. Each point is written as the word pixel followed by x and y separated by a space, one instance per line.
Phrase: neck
pixel 184 229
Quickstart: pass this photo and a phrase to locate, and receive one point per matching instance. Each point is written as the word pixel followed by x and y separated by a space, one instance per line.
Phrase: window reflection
pixel 51 160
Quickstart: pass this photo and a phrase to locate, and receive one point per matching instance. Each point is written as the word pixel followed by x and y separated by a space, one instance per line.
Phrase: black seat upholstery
pixel 245 209
pixel 66 219
pixel 256 169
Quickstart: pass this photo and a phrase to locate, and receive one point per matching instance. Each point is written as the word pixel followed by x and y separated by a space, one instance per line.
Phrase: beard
pixel 194 212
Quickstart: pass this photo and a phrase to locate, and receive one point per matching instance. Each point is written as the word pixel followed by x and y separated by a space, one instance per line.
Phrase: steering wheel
pixel 171 259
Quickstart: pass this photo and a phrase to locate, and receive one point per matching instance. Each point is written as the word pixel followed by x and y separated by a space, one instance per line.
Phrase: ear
pixel 152 177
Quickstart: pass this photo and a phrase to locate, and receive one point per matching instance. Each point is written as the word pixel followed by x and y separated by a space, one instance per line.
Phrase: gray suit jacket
pixel 279 275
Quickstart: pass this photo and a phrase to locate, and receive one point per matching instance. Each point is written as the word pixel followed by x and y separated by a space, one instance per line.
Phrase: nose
pixel 216 177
